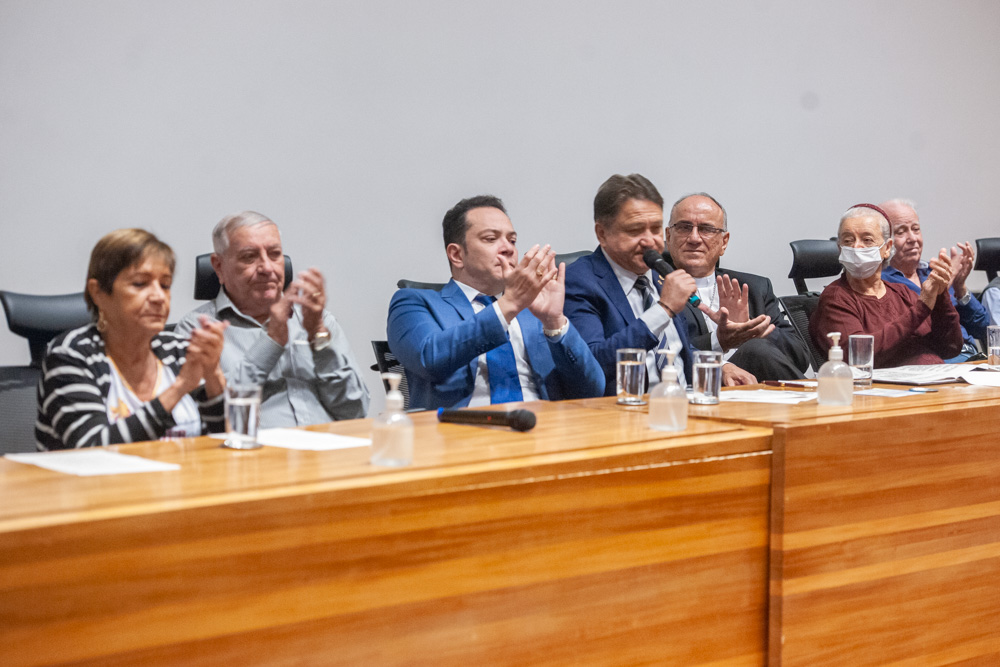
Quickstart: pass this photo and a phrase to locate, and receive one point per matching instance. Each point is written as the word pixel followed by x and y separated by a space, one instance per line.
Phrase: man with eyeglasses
pixel 696 237
pixel 616 301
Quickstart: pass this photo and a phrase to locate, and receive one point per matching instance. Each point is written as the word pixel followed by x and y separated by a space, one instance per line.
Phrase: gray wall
pixel 356 125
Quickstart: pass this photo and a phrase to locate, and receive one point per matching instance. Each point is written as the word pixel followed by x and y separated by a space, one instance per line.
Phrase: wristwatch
pixel 966 298
pixel 320 341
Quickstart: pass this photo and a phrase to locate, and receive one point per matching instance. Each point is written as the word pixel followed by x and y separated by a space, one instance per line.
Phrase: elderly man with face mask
pixel 909 328
pixel 907 269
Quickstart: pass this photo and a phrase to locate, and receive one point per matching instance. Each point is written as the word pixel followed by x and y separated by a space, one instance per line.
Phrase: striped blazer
pixel 73 391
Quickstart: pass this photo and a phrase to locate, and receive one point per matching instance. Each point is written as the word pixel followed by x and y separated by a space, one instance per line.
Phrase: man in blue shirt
pixel 906 268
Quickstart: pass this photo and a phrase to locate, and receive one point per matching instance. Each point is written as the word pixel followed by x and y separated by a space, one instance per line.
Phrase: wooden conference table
pixel 764 533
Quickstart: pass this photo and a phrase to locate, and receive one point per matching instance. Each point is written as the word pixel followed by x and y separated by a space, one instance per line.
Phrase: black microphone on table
pixel 519 420
pixel 655 261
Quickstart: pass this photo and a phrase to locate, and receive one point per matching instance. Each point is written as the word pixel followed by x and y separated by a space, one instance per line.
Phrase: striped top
pixel 73 391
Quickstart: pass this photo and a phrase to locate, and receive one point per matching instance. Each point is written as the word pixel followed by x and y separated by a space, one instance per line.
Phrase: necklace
pixel 157 369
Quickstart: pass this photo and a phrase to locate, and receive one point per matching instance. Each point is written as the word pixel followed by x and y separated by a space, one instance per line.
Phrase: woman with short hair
pixel 122 378
pixel 908 328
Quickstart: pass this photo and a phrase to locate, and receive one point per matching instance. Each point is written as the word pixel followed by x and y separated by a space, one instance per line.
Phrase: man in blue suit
pixel 616 301
pixel 496 332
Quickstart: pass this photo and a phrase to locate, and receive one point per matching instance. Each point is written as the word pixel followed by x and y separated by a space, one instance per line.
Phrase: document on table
pixel 982 376
pixel 92 461
pixel 766 396
pixel 929 374
pixel 887 393
pixel 293 438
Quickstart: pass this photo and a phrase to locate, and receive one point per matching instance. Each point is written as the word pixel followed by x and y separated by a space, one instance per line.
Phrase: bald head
pixel 907 237
pixel 697 234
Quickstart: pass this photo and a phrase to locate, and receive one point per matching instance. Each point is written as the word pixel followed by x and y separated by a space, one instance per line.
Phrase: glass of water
pixel 242 416
pixel 631 378
pixel 861 358
pixel 993 346
pixel 707 377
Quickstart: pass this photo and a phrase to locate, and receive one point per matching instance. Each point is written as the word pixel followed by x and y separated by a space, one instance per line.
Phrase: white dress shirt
pixel 656 318
pixel 481 388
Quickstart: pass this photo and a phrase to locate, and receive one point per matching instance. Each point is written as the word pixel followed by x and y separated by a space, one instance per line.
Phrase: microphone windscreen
pixel 521 420
pixel 651 257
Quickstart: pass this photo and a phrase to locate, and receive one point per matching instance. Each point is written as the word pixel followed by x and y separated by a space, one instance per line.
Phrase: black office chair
pixel 403 283
pixel 988 257
pixel 813 258
pixel 799 309
pixel 386 362
pixel 570 257
pixel 39 319
pixel 18 408
pixel 206 283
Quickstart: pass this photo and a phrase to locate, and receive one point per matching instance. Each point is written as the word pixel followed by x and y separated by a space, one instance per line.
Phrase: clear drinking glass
pixel 861 358
pixel 993 346
pixel 631 376
pixel 707 379
pixel 242 416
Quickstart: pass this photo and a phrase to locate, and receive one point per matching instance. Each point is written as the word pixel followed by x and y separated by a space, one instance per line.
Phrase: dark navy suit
pixel 598 308
pixel 438 338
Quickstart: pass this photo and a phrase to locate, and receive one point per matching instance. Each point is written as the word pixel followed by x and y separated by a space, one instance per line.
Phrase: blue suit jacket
pixel 598 308
pixel 438 338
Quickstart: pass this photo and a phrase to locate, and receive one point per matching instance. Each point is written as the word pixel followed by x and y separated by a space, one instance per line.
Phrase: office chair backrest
pixel 570 257
pixel 42 318
pixel 18 408
pixel 799 309
pixel 813 258
pixel 386 362
pixel 403 283
pixel 988 257
pixel 206 283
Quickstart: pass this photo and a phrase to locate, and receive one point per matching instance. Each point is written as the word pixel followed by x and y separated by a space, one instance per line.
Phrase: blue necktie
pixel 502 368
pixel 646 291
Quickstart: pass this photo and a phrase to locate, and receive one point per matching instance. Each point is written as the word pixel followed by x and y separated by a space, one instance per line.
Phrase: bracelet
pixel 667 308
pixel 552 333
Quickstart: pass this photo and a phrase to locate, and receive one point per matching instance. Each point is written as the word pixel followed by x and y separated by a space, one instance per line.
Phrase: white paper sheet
pixel 292 438
pixel 92 461
pixel 929 374
pixel 887 393
pixel 766 396
pixel 981 376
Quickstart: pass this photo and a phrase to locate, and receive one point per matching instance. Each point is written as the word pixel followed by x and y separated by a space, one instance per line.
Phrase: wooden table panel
pixel 886 537
pixel 649 548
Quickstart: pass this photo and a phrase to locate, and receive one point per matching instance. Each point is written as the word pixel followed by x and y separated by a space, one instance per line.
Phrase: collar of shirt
pixel 471 293
pixel 223 303
pixel 626 277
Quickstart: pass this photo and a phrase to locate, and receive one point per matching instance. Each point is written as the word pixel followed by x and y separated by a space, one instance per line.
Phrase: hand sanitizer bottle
pixel 836 383
pixel 668 403
pixel 392 430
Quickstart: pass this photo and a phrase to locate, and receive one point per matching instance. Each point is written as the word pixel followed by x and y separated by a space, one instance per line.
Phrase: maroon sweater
pixel 905 330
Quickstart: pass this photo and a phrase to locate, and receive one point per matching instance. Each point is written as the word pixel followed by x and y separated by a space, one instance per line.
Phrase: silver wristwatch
pixel 320 341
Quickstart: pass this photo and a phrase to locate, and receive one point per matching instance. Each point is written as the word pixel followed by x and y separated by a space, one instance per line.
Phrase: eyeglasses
pixel 684 229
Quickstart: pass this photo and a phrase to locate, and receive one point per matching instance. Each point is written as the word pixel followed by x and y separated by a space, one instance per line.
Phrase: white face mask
pixel 861 263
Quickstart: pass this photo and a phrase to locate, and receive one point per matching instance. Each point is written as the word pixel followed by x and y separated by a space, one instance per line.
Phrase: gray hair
pixel 900 202
pixel 225 227
pixel 884 226
pixel 725 218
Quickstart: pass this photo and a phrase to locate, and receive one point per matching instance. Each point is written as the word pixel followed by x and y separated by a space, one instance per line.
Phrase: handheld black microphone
pixel 519 420
pixel 655 261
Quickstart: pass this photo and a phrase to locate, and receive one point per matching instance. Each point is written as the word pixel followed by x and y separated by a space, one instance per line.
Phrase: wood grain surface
pixel 886 538
pixel 590 539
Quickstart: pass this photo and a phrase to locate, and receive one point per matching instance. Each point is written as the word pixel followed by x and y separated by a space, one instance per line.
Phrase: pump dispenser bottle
pixel 668 404
pixel 836 383
pixel 392 430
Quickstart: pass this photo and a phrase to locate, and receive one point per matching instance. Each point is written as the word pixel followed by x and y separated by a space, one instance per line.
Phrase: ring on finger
pixel 316 294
